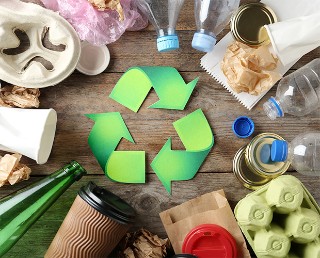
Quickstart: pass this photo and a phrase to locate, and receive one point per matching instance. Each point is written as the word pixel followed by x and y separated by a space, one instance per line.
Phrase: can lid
pixel 93 59
pixel 244 174
pixel 248 21
pixel 243 126
pixel 107 203
pixel 210 240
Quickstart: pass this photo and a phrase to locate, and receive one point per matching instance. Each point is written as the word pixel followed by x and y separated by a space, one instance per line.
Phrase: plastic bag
pixel 98 27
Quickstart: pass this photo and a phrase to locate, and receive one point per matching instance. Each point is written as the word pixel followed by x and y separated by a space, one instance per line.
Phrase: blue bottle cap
pixel 167 43
pixel 279 150
pixel 265 154
pixel 243 126
pixel 203 42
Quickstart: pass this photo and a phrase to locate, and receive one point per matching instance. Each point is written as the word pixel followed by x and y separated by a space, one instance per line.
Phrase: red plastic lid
pixel 210 240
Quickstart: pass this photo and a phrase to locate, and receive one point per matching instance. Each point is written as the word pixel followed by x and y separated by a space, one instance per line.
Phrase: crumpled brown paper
pixel 11 171
pixel 249 69
pixel 14 96
pixel 143 244
pixel 210 208
pixel 103 5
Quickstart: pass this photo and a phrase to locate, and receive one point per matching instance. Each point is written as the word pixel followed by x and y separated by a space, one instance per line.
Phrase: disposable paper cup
pixel 94 225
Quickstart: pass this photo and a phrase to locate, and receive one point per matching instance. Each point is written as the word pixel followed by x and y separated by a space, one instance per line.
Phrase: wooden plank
pixel 148 200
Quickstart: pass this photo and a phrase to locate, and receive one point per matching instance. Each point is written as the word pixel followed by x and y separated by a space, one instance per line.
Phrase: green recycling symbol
pixel 169 165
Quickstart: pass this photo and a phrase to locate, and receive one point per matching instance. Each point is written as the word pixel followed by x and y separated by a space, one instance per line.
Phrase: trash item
pixel 247 22
pixel 249 164
pixel 93 59
pixel 98 27
pixel 249 69
pixel 163 14
pixel 211 18
pixel 303 153
pixel 51 50
pixel 143 243
pixel 211 61
pixel 297 94
pixel 210 240
pixel 103 5
pixel 28 131
pixel 243 126
pixel 96 212
pixel 21 209
pixel 210 208
pixel 280 219
pixel 11 170
pixel 15 96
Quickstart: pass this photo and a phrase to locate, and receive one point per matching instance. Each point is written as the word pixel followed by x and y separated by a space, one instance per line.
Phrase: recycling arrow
pixel 196 135
pixel 120 166
pixel 134 86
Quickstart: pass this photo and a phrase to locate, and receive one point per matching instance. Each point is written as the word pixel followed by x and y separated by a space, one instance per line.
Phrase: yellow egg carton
pixel 281 219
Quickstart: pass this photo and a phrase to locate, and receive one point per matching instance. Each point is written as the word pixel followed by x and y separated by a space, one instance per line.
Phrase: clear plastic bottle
pixel 297 94
pixel 211 17
pixel 303 153
pixel 163 14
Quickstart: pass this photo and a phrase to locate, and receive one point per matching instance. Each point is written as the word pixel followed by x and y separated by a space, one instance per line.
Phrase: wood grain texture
pixel 80 94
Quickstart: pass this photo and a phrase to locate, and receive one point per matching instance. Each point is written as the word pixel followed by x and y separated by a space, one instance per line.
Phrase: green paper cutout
pixel 134 86
pixel 196 136
pixel 120 166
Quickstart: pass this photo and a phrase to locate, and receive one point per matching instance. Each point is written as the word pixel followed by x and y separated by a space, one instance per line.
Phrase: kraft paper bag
pixel 210 208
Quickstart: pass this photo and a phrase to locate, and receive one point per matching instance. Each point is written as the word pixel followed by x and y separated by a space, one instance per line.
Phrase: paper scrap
pixel 103 5
pixel 196 135
pixel 249 69
pixel 143 244
pixel 14 96
pixel 11 171
pixel 134 86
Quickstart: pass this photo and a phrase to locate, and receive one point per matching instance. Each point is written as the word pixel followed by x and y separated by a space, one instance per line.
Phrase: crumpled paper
pixel 103 5
pixel 249 69
pixel 143 244
pixel 11 171
pixel 98 27
pixel 14 96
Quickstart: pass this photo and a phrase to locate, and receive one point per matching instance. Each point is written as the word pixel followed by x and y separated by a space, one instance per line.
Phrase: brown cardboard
pixel 210 208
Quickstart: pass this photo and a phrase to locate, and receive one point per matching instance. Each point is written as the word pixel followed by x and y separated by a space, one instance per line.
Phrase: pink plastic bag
pixel 98 27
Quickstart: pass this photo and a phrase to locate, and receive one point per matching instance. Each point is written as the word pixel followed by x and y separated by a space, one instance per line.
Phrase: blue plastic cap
pixel 203 42
pixel 167 43
pixel 265 154
pixel 243 127
pixel 279 150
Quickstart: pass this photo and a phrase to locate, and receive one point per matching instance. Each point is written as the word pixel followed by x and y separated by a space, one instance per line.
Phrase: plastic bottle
pixel 297 94
pixel 163 14
pixel 211 17
pixel 21 209
pixel 303 153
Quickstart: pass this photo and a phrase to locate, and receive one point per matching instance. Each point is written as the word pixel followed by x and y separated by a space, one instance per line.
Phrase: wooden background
pixel 150 128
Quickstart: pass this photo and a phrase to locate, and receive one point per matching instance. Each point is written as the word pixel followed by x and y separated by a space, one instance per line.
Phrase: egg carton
pixel 281 219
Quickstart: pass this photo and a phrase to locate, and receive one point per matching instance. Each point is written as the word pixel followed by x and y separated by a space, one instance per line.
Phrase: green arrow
pixel 196 135
pixel 134 86
pixel 120 166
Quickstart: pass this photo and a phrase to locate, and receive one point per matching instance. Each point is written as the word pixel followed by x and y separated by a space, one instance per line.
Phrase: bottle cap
pixel 247 23
pixel 167 43
pixel 279 150
pixel 243 127
pixel 203 42
pixel 93 59
pixel 265 154
pixel 210 240
pixel 107 203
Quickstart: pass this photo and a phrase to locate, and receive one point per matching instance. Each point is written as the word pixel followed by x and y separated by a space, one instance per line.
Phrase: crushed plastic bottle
pixel 297 94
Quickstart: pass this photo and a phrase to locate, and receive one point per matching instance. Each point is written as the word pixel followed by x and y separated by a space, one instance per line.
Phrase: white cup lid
pixel 93 59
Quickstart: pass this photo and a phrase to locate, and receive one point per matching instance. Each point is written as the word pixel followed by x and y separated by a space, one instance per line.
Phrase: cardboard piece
pixel 210 208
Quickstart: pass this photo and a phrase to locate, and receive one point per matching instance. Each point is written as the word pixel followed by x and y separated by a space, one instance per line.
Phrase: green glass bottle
pixel 21 209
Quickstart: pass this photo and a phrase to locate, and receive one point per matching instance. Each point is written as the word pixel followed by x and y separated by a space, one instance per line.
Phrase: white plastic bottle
pixel 211 17
pixel 303 153
pixel 297 94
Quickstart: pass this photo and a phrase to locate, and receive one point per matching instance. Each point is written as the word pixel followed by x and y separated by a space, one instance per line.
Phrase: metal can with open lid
pixel 247 23
pixel 250 166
